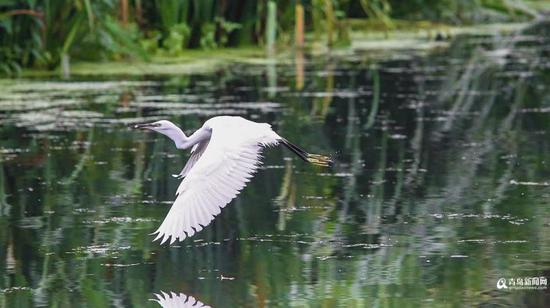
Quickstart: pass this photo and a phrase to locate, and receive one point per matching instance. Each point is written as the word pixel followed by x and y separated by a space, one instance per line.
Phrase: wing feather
pixel 196 153
pixel 220 169
pixel 177 300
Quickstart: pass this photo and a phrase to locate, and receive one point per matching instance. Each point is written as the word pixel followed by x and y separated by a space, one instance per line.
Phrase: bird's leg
pixel 315 159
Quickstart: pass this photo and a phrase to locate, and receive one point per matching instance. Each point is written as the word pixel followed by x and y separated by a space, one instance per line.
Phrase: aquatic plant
pixel 52 32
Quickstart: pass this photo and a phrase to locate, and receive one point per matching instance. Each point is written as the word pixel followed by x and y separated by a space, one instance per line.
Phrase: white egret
pixel 226 152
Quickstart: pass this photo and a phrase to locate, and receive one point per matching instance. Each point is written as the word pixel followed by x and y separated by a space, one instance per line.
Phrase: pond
pixel 441 184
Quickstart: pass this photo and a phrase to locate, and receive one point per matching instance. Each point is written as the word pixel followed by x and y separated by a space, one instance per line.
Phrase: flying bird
pixel 225 153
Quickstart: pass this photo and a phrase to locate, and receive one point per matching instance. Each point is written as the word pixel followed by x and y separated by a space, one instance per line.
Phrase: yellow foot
pixel 319 160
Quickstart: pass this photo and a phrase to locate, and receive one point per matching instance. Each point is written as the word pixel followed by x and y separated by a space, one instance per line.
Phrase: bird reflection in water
pixel 174 300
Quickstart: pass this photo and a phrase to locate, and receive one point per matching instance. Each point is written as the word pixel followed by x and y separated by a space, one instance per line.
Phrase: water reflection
pixel 174 300
pixel 440 187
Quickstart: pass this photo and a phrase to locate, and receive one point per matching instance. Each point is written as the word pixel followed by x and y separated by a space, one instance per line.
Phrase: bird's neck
pixel 182 141
pixel 177 135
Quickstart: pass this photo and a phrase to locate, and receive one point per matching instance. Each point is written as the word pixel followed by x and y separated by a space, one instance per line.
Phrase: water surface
pixel 441 186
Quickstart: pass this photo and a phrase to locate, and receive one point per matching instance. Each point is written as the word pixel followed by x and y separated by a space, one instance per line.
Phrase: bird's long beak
pixel 146 125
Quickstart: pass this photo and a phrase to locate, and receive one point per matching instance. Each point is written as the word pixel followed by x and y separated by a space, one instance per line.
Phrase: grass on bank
pixel 366 36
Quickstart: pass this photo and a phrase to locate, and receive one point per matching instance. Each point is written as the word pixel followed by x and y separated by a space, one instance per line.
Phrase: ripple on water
pixel 514 182
pixel 508 218
pixel 98 250
pixel 120 220
pixel 120 264
pixel 14 289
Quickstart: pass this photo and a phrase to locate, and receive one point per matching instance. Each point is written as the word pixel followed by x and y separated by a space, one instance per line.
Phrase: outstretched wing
pixel 196 153
pixel 229 161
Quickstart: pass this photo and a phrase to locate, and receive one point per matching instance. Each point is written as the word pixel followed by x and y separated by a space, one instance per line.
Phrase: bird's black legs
pixel 301 153
pixel 315 159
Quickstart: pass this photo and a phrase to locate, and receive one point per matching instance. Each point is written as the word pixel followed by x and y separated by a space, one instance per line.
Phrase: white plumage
pixel 174 300
pixel 226 153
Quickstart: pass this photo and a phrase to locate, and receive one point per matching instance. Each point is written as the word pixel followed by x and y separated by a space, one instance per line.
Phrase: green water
pixel 441 186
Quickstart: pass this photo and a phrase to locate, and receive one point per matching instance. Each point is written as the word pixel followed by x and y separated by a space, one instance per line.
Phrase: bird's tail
pixel 315 159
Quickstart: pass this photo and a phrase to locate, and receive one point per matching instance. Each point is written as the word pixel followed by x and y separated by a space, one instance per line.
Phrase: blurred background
pixel 436 112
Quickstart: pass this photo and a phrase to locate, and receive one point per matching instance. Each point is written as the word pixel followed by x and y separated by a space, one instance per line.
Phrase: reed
pixel 42 33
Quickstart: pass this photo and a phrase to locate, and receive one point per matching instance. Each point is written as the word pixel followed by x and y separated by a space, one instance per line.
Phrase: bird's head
pixel 158 126
pixel 166 128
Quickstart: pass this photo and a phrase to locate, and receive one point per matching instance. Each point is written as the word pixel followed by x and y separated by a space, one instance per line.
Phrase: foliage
pixel 16 24
pixel 37 33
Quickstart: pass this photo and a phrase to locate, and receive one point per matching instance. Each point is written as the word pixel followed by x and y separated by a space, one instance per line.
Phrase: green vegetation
pixel 441 185
pixel 48 34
